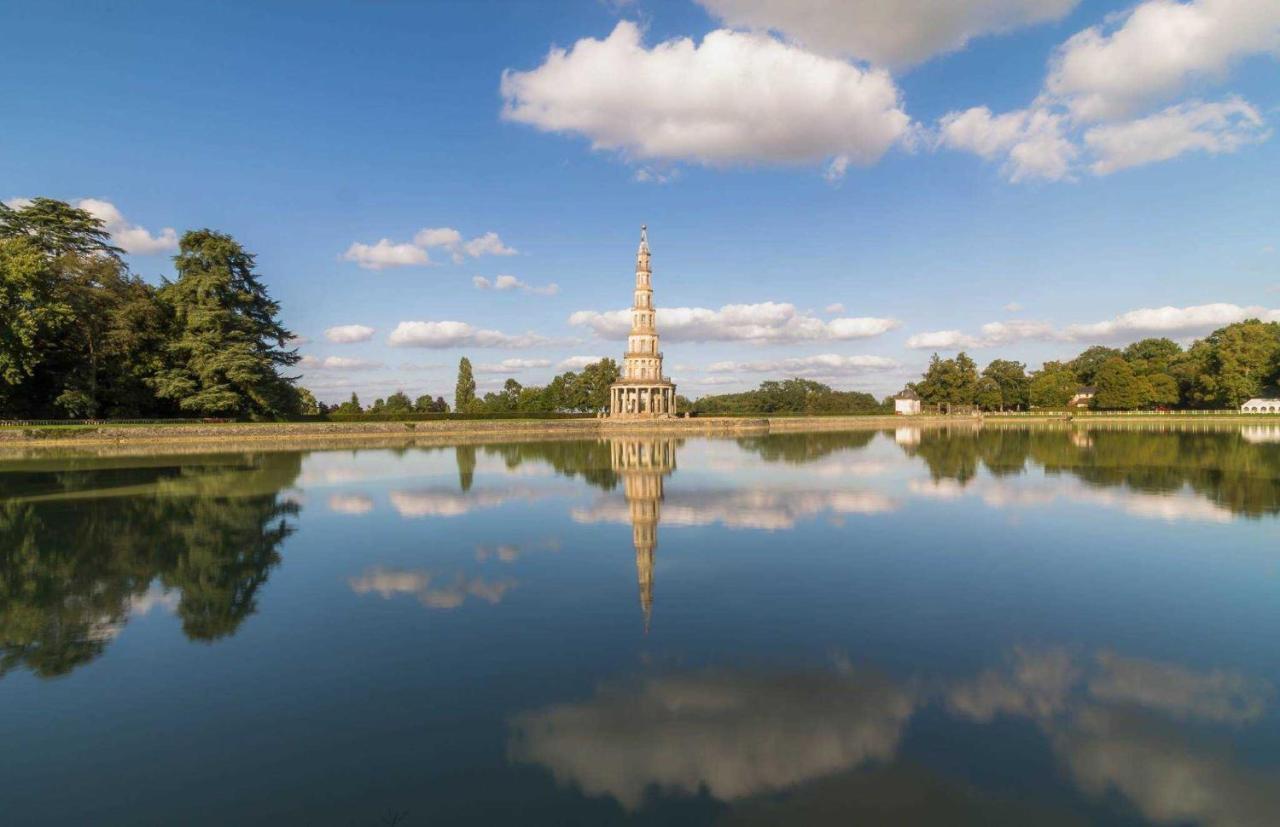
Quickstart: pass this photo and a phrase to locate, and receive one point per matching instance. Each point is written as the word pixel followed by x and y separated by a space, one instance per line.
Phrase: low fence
pixel 1086 413
pixel 20 423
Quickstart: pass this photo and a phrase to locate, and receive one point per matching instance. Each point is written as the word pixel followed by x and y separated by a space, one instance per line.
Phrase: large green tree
pixel 1011 379
pixel 229 345
pixel 1118 388
pixel 1233 364
pixel 1089 362
pixel 1052 386
pixel 465 392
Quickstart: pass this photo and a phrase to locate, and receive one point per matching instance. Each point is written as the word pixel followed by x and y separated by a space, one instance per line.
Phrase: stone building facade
pixel 642 392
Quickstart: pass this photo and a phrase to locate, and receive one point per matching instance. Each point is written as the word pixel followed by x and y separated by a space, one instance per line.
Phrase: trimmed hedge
pixel 438 417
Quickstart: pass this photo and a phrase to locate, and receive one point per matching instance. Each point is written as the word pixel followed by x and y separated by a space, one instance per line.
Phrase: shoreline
pixel 303 435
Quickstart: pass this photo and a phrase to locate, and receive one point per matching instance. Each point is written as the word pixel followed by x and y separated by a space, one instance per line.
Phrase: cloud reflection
pixel 734 733
pixel 753 508
pixel 428 588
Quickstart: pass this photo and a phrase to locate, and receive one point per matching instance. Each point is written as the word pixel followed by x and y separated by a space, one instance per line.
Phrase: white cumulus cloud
pixel 823 364
pixel 337 363
pixel 1213 128
pixel 386 253
pixel 131 238
pixel 1170 321
pixel 513 365
pixel 897 33
pixel 577 362
pixel 993 334
pixel 734 98
pixel 1113 70
pixel 506 283
pixel 346 334
pixel 1032 142
pixel 766 322
pixel 457 334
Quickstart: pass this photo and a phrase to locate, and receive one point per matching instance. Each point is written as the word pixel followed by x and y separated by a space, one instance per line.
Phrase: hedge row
pixel 438 417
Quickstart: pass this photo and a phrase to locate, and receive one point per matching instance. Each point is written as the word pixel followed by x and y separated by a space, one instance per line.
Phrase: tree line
pixel 1223 370
pixel 84 337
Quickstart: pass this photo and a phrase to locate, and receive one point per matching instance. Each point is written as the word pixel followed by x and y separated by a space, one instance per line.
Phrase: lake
pixel 1052 625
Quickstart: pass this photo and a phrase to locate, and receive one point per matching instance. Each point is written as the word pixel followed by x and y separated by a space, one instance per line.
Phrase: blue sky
pixel 833 189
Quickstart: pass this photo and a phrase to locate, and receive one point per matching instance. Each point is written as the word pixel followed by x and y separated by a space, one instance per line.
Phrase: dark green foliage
pixel 227 346
pixel 1052 386
pixel 1012 385
pixel 790 396
pixel 84 338
pixel 1087 364
pixel 949 381
pixel 464 393
pixel 1118 388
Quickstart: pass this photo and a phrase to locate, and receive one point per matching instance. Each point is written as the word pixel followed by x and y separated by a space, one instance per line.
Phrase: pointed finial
pixel 644 236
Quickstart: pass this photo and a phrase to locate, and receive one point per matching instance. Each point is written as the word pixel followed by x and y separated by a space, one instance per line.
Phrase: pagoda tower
pixel 642 392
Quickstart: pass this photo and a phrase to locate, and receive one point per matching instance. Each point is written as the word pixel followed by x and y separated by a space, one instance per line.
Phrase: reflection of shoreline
pixel 1117 724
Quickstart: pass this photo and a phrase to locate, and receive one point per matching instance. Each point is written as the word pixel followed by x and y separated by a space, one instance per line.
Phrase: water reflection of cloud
pixel 155 597
pixel 734 733
pixel 354 504
pixel 1113 723
pixel 446 502
pixel 751 508
pixel 428 588
pixel 1004 493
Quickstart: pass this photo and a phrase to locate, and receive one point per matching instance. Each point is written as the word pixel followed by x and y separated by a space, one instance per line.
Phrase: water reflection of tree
pixel 801 448
pixel 76 556
pixel 1221 466
pixel 588 459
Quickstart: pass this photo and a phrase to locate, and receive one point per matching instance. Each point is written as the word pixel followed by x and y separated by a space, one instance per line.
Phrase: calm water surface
pixel 904 627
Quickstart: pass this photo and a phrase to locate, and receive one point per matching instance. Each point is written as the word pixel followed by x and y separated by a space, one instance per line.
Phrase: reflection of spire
pixel 642 464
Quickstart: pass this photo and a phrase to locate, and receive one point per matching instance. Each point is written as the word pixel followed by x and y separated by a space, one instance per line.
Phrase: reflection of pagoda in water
pixel 642 463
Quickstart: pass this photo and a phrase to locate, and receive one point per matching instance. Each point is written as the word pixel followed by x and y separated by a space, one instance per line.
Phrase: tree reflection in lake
pixel 1223 466
pixel 80 547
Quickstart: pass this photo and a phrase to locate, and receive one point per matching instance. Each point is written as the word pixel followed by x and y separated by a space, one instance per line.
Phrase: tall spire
pixel 644 238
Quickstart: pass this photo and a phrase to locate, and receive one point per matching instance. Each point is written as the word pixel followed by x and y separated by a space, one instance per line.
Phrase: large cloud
pixel 766 322
pixel 1134 324
pixel 1094 112
pixel 1169 321
pixel 1213 128
pixel 993 334
pixel 457 334
pixel 734 734
pixel 513 365
pixel 895 33
pixel 1156 50
pixel 733 98
pixel 387 253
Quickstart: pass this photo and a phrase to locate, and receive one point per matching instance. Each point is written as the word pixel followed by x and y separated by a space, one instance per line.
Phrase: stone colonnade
pixel 642 400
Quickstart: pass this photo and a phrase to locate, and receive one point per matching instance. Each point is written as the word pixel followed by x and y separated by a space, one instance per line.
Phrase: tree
pixel 1233 364
pixel 351 406
pixel 307 404
pixel 1117 387
pixel 32 310
pixel 56 228
pixel 1052 386
pixel 465 392
pixel 398 403
pixel 1011 378
pixel 228 343
pixel 425 404
pixel 1162 390
pixel 1150 356
pixel 949 381
pixel 989 397
pixel 596 379
pixel 1088 363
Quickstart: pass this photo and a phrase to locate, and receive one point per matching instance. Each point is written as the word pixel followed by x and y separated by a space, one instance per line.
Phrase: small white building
pixel 907 403
pixel 1261 406
pixel 1083 396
